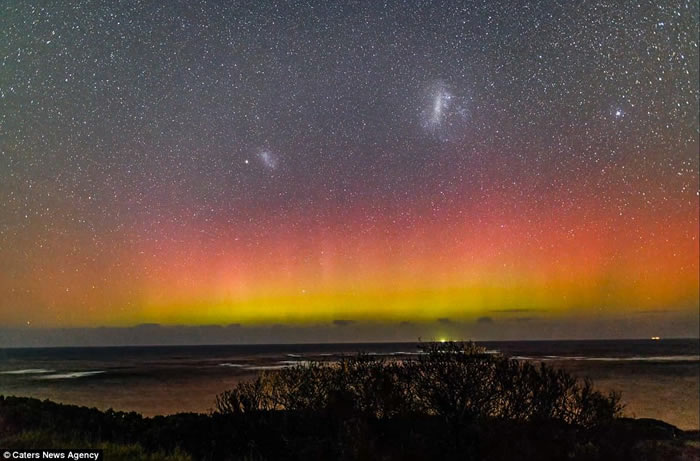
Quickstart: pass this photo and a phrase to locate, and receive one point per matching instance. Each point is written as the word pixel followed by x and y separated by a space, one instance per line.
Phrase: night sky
pixel 335 164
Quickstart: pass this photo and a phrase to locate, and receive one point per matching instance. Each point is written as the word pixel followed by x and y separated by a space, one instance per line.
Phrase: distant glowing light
pixel 268 159
pixel 444 110
pixel 440 104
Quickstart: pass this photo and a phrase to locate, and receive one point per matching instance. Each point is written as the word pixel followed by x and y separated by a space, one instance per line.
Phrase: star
pixel 396 159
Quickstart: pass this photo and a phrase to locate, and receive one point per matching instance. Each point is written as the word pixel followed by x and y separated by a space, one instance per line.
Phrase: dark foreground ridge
pixel 452 402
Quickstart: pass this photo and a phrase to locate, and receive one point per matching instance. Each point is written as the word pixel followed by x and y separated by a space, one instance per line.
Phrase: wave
pixel 280 365
pixel 28 371
pixel 657 358
pixel 232 365
pixel 267 367
pixel 661 358
pixel 72 375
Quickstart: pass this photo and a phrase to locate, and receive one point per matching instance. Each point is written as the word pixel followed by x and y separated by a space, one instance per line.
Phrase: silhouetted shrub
pixel 458 382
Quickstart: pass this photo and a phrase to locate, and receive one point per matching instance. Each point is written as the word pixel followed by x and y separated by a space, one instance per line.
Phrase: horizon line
pixel 671 338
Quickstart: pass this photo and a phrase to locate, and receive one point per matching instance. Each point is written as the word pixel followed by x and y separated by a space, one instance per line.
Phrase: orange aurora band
pixel 431 258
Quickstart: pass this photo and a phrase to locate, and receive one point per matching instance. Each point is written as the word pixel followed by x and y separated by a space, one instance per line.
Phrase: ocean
pixel 657 379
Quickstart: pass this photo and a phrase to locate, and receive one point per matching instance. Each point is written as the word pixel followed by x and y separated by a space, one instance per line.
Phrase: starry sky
pixel 490 164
